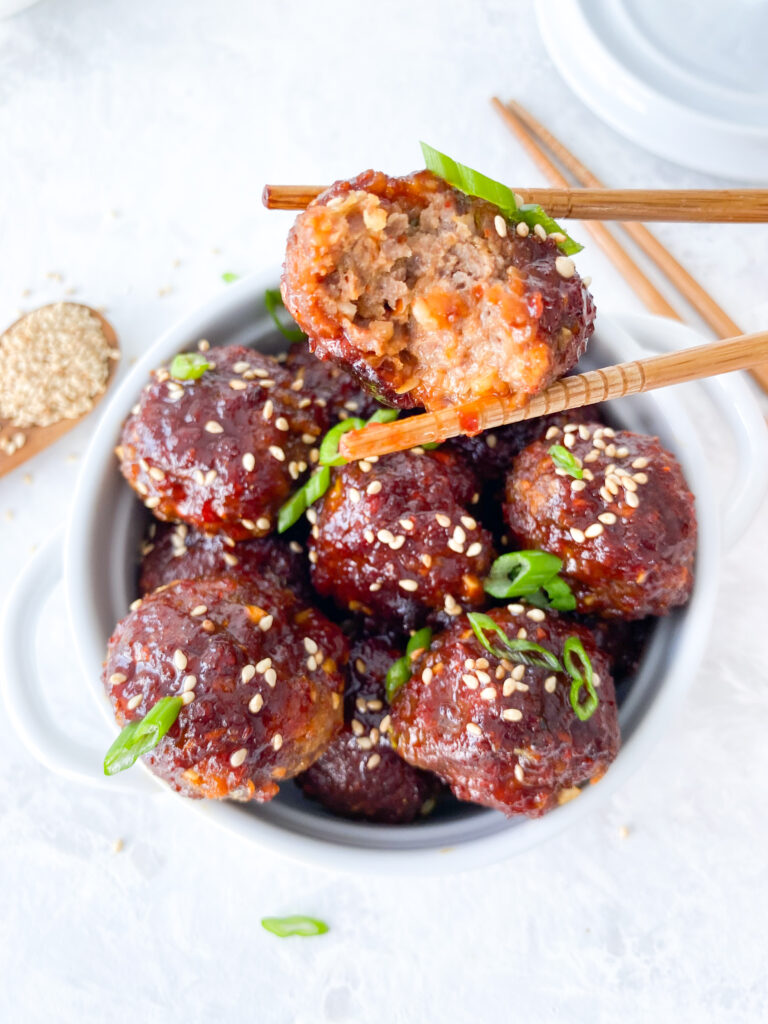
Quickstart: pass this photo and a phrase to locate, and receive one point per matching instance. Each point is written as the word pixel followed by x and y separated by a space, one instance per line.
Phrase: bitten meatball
pixel 336 395
pixel 359 775
pixel 222 452
pixel 626 531
pixel 180 552
pixel 430 297
pixel 394 539
pixel 260 674
pixel 500 733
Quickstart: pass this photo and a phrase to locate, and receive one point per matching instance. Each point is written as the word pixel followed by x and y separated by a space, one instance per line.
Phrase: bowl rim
pixel 508 838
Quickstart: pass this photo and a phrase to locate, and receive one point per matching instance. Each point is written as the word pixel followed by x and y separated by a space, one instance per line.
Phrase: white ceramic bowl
pixel 97 556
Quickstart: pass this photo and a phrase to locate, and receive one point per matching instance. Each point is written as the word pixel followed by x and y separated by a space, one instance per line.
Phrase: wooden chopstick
pixel 616 252
pixel 601 385
pixel 735 206
pixel 528 129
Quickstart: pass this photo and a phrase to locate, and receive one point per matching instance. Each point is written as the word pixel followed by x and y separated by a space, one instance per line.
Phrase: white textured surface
pixel 173 115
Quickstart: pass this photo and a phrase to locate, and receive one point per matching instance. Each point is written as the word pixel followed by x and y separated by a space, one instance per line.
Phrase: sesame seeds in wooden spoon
pixel 55 364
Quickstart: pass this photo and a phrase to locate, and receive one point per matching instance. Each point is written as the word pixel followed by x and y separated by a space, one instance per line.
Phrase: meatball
pixel 429 296
pixel 222 452
pixel 180 552
pixel 501 733
pixel 335 393
pixel 393 538
pixel 260 674
pixel 626 532
pixel 360 775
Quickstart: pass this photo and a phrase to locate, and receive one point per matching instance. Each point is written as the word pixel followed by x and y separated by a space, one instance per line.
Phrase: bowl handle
pixel 21 683
pixel 731 393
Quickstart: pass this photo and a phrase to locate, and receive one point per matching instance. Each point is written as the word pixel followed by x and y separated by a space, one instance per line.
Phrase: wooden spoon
pixel 38 438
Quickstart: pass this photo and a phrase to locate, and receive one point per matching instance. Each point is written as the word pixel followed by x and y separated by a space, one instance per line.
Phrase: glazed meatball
pixel 222 452
pixel 429 296
pixel 180 552
pixel 394 539
pixel 260 674
pixel 500 733
pixel 626 532
pixel 359 775
pixel 335 393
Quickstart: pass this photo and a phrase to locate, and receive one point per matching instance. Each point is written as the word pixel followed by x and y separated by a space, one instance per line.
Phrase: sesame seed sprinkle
pixel 577 534
pixel 270 677
pixel 117 677
pixel 473 729
pixel 134 702
pixel 255 704
pixel 265 623
pixel 238 757
pixel 247 673
pixel 474 549
pixel 593 531
pixel 249 462
pixel 179 659
pixel 519 773
pixel 212 427
pixel 373 761
pixel 442 520
pixel 409 585
pixel 550 683
pixel 512 714
pixel 277 453
pixel 536 614
pixel 188 683
pixel 632 499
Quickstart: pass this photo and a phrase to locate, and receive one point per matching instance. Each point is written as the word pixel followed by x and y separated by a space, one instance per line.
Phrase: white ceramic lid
pixel 687 80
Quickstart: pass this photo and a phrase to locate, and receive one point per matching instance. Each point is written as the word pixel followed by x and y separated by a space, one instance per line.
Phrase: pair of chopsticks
pixel 592 204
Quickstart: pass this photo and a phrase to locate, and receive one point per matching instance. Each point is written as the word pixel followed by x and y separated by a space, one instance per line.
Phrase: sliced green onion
pixel 384 416
pixel 400 671
pixel 580 676
pixel 473 183
pixel 521 572
pixel 296 924
pixel 307 495
pixel 189 365
pixel 141 736
pixel 229 277
pixel 560 594
pixel 525 652
pixel 565 460
pixel 273 300
pixel 329 446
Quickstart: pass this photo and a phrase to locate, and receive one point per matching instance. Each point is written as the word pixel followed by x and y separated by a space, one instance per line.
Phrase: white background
pixel 137 134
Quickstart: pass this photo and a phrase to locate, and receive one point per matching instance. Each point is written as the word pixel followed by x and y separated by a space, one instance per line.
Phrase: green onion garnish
pixel 384 416
pixel 189 365
pixel 573 646
pixel 555 593
pixel 521 572
pixel 525 652
pixel 400 671
pixel 565 460
pixel 329 446
pixel 296 924
pixel 141 736
pixel 473 183
pixel 273 300
pixel 229 277
pixel 307 495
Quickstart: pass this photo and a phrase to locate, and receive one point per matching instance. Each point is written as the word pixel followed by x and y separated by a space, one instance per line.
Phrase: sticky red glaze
pixel 640 565
pixel 350 554
pixel 180 552
pixel 390 790
pixel 168 435
pixel 556 315
pixel 549 745
pixel 336 394
pixel 303 707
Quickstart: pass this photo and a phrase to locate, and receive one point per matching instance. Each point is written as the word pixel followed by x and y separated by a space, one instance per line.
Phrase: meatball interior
pixel 224 451
pixel 180 552
pixel 429 296
pixel 394 539
pixel 626 531
pixel 500 733
pixel 260 674
pixel 360 775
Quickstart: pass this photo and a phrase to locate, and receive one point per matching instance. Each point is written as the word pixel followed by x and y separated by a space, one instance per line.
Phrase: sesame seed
pixel 372 761
pixel 134 701
pixel 565 266
pixel 516 609
pixel 491 440
pixel 354 495
pixel 311 648
pixel 473 729
pixel 522 633
pixel 569 440
pixel 364 466
pixel 598 442
pixel 409 585
pixel 578 535
pixel 312 516
pixel 591 456
pixel 550 683
pixel 456 546
pixel 640 478
pixel 364 743
pixel 188 683
pixel 357 727
pixel 426 560
pixel 255 704
pixel 584 432
pixel 248 524
pixel 152 502
pixel 374 587
pixel 265 623
pixel 277 453
pixel 397 542
pixel 459 535
pixel 605 494
pixel 208 626
pixel 199 609
pixel 552 432
pixel 230 559
pixel 607 517
pixel 593 531
pixel 156 474
pixel 519 773
pixel 640 463
pixel 469 522
pixel 373 487
pixel 385 536
pixel 385 723
pixel 210 476
pixel 270 677
pixel 262 523
pixel 426 675
pixel 536 614
pixel 632 500
pixel 622 453
pixel 442 520
pixel 509 687
pixel 237 385
pixel 511 714
pixel 489 693
pixel 213 427
pixel 249 461
pixel 187 697
pixel 179 659
pixel 522 229
pixel 474 549
pixel 277 741
pixel 238 757
pixel 539 231
pixel 501 225
pixel 248 672
pixel 470 681
pixel 628 483
pixel 369 535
